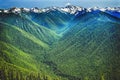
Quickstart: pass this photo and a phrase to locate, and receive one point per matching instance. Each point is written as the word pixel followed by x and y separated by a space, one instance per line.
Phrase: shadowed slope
pixel 90 49
pixel 54 20
pixel 40 32
pixel 75 47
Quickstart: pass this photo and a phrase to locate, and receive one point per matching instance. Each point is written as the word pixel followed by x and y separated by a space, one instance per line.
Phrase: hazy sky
pixel 47 3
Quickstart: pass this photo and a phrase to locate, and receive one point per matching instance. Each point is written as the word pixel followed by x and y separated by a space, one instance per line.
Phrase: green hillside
pixel 59 46
pixel 54 20
pixel 89 50
pixel 21 51
pixel 44 34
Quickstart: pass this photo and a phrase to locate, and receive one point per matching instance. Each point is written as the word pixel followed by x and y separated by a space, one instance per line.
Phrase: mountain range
pixel 60 43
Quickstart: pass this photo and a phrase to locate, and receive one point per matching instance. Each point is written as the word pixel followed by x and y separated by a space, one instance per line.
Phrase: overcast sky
pixel 48 3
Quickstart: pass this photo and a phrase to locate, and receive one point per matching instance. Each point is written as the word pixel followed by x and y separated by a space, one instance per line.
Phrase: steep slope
pixel 40 32
pixel 70 43
pixel 52 19
pixel 90 49
pixel 13 55
pixel 20 38
pixel 23 52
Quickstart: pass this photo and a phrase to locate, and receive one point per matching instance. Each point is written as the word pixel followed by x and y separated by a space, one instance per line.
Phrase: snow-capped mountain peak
pixel 35 10
pixel 25 9
pixel 71 9
pixel 5 11
pixel 15 10
pixel 102 9
pixel 68 9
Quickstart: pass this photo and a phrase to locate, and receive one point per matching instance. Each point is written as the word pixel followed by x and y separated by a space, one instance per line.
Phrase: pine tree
pixel 17 76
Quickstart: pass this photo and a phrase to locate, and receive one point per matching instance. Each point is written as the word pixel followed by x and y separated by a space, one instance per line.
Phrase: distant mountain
pixel 69 8
pixel 60 43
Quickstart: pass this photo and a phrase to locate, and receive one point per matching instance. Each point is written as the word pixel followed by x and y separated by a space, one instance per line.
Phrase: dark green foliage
pixel 6 74
pixel 44 34
pixel 90 50
pixel 59 46
pixel 54 20
pixel 22 49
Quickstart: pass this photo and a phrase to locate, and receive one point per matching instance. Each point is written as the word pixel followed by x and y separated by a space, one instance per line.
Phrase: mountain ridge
pixel 69 8
pixel 68 43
